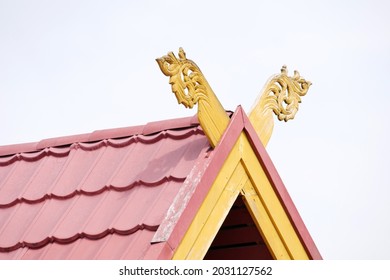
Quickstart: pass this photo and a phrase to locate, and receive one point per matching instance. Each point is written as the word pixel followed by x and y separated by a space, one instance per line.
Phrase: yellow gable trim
pixel 213 210
pixel 242 174
pixel 268 212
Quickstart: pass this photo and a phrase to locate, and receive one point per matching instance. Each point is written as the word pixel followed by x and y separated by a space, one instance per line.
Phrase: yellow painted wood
pixel 272 206
pixel 263 122
pixel 214 209
pixel 242 173
pixel 264 222
pixel 191 87
pixel 218 214
pixel 280 95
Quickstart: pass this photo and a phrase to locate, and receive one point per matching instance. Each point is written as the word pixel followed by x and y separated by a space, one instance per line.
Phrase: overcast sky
pixel 69 67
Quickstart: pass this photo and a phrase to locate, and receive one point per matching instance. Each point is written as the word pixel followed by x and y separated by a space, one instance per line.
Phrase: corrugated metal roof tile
pixel 115 133
pixel 45 222
pixel 17 225
pixel 62 141
pixel 153 127
pixel 42 183
pixel 17 148
pixel 138 247
pixel 17 181
pixel 94 196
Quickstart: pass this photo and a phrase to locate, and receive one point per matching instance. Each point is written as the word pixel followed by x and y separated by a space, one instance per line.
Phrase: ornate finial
pixel 186 79
pixel 281 95
pixel 191 87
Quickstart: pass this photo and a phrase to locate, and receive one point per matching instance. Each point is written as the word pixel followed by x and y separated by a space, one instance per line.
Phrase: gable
pixel 240 166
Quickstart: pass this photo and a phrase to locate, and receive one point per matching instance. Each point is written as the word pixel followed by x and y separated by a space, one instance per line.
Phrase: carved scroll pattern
pixel 191 87
pixel 283 94
pixel 186 79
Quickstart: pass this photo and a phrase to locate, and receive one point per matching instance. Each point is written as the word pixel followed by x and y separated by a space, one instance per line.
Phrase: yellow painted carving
pixel 281 95
pixel 191 87
pixel 243 175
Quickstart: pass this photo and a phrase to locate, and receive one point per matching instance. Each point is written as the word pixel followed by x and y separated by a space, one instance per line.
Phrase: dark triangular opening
pixel 238 238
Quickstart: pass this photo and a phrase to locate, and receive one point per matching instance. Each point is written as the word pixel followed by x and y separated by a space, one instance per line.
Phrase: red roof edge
pixel 17 148
pixel 181 221
pixel 157 126
pixel 97 135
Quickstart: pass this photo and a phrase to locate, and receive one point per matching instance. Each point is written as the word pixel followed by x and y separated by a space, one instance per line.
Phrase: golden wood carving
pixel 190 87
pixel 281 95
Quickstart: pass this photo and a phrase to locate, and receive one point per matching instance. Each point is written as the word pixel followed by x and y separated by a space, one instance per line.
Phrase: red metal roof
pixel 94 196
pixel 128 193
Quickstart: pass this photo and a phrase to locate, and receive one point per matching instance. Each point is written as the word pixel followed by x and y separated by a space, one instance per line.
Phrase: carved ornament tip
pixel 182 53
pixel 284 70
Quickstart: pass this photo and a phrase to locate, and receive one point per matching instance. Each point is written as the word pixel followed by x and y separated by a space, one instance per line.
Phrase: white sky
pixel 69 67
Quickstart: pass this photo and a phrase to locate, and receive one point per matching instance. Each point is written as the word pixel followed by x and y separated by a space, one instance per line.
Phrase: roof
pixel 238 167
pixel 101 195
pixel 176 189
pixel 144 192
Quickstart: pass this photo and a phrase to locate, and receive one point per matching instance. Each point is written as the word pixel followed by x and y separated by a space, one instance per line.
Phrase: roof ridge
pixel 149 128
pixel 64 150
